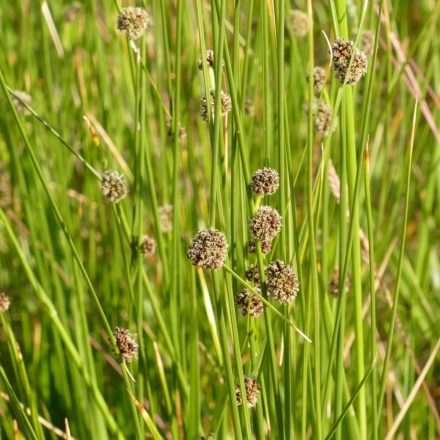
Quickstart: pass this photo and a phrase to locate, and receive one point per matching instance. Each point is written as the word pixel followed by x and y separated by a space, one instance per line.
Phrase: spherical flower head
pixel 252 273
pixel 319 76
pixel 299 23
pixel 18 98
pixel 226 105
pixel 148 246
pixel 126 343
pixel 265 181
pixel 343 51
pixel 166 218
pixel 133 22
pixel 323 116
pixel 208 249
pixel 209 60
pixel 113 186
pixel 266 224
pixel 252 389
pixel 266 246
pixel 4 303
pixel 367 42
pixel 249 303
pixel 281 281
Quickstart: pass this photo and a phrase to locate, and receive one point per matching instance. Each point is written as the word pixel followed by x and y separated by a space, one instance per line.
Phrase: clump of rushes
pixel 4 303
pixel 148 246
pixel 333 285
pixel 113 186
pixel 226 105
pixel 299 23
pixel 323 116
pixel 249 303
pixel 266 224
pixel 252 389
pixel 166 218
pixel 318 78
pixel 367 42
pixel 266 246
pixel 133 22
pixel 281 281
pixel 209 60
pixel 18 98
pixel 265 181
pixel 343 51
pixel 126 343
pixel 208 249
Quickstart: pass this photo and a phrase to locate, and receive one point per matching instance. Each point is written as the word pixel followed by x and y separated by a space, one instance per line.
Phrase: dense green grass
pixel 364 198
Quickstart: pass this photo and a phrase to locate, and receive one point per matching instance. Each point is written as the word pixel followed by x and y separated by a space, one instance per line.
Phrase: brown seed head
pixel 249 303
pixel 367 42
pixel 299 23
pixel 209 60
pixel 266 224
pixel 133 22
pixel 333 286
pixel 265 181
pixel 208 249
pixel 226 105
pixel 343 50
pixel 127 345
pixel 266 246
pixel 148 246
pixel 323 116
pixel 252 273
pixel 282 283
pixel 4 303
pixel 319 75
pixel 113 186
pixel 252 390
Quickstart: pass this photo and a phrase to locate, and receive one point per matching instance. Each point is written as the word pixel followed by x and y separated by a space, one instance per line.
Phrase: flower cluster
pixel 344 52
pixel 208 249
pixel 113 186
pixel 126 343
pixel 133 22
pixel 252 389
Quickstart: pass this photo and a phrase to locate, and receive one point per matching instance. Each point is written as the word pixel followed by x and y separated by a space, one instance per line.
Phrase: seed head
pixel 148 246
pixel 343 51
pixel 282 283
pixel 133 22
pixel 318 78
pixel 166 218
pixel 333 286
pixel 226 105
pixel 323 116
pixel 252 390
pixel 209 60
pixel 208 249
pixel 18 98
pixel 127 345
pixel 367 42
pixel 252 273
pixel 5 302
pixel 249 303
pixel 266 246
pixel 265 181
pixel 113 186
pixel 266 224
pixel 299 23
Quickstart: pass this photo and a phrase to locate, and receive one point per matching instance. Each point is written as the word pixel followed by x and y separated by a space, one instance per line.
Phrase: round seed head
pixel 252 389
pixel 333 286
pixel 113 186
pixel 323 115
pixel 133 22
pixel 226 105
pixel 266 246
pixel 249 303
pixel 299 23
pixel 266 224
pixel 4 303
pixel 148 246
pixel 208 249
pixel 209 60
pixel 318 78
pixel 166 218
pixel 282 283
pixel 343 51
pixel 252 273
pixel 367 42
pixel 18 98
pixel 265 181
pixel 126 343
